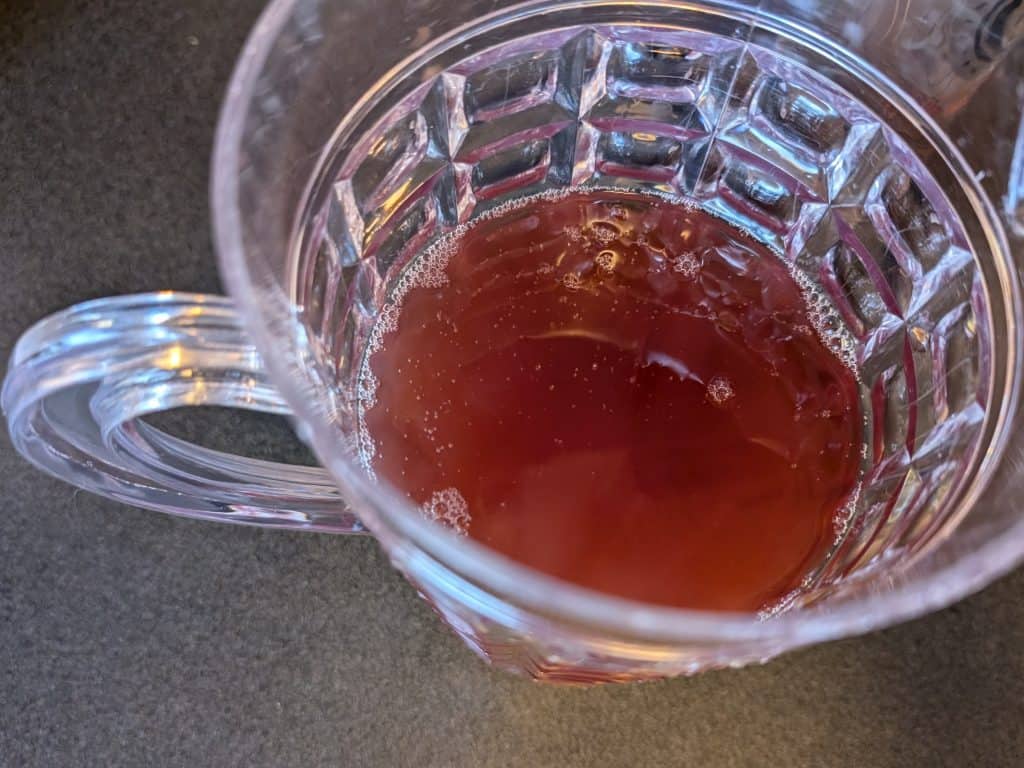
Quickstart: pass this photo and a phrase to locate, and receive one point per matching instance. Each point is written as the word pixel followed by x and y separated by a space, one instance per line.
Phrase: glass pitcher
pixel 878 147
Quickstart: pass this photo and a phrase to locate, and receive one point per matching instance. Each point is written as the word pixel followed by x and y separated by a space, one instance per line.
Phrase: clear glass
pixel 878 152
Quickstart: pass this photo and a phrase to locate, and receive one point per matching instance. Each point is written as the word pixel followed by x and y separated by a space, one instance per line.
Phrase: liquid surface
pixel 621 392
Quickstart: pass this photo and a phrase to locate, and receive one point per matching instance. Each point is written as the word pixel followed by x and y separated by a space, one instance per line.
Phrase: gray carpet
pixel 129 638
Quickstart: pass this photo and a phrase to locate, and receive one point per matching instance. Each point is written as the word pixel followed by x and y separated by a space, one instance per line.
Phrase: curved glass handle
pixel 79 380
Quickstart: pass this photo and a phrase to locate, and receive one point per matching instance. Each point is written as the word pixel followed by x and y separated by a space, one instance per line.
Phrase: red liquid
pixel 625 394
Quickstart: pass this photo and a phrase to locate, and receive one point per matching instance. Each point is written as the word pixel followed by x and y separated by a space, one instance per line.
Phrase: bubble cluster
pixel 825 320
pixel 366 398
pixel 572 281
pixel 605 261
pixel 602 232
pixel 781 605
pixel 847 514
pixel 686 264
pixel 720 390
pixel 449 508
pixel 841 525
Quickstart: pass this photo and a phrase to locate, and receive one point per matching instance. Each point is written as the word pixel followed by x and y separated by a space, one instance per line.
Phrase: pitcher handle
pixel 79 381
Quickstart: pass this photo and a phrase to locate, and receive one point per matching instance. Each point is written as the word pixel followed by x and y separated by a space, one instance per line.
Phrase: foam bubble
pixel 449 508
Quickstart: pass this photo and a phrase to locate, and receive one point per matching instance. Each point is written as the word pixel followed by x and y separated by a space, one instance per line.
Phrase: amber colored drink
pixel 620 391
